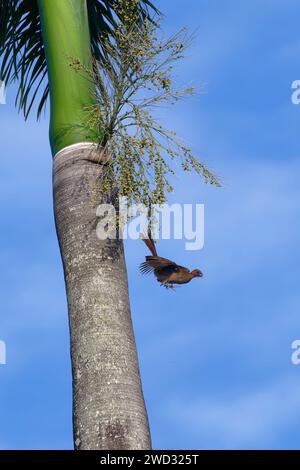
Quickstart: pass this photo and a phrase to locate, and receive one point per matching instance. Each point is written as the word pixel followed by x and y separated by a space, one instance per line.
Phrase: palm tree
pixel 37 38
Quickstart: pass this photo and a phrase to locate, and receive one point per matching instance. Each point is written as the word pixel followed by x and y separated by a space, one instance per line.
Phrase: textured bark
pixel 108 405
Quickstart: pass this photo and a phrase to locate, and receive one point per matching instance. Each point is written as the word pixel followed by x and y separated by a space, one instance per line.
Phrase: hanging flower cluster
pixel 136 78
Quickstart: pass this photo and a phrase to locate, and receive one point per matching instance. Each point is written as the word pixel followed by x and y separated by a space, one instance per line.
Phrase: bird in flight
pixel 166 271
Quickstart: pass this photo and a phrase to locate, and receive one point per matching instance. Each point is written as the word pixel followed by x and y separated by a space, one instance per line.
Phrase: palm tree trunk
pixel 109 410
pixel 108 405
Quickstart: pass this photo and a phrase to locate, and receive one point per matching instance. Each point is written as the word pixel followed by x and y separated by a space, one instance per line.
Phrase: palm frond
pixel 22 52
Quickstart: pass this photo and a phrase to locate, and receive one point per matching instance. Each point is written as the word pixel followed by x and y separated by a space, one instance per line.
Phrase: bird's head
pixel 197 273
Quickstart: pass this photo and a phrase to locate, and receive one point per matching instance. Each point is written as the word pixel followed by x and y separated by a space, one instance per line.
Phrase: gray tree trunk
pixel 108 405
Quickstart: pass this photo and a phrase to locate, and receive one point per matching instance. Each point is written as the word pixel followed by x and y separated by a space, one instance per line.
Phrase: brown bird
pixel 166 271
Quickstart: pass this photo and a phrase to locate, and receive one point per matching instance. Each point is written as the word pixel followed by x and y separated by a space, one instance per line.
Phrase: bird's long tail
pixel 150 243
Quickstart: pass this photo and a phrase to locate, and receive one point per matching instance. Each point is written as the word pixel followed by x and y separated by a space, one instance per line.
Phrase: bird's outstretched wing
pixel 153 263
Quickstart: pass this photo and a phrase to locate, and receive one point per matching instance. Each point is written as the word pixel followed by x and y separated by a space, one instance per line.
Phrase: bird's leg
pixel 167 284
pixel 171 286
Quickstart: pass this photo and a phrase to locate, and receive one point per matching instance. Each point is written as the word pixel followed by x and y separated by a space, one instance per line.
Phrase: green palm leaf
pixel 21 46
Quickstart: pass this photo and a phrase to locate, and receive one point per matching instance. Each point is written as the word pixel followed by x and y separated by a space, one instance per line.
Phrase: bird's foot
pixel 168 285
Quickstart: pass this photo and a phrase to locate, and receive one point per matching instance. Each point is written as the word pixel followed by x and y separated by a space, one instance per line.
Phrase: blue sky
pixel 215 355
